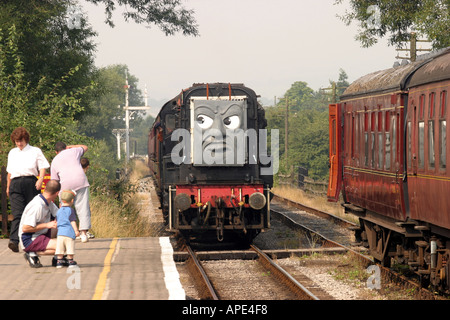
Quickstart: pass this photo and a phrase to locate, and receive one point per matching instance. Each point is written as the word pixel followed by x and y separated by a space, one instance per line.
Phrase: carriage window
pixel 386 122
pixel 394 138
pixel 372 146
pixel 409 155
pixel 380 150
pixel 333 137
pixel 372 121
pixel 443 144
pixel 443 104
pixel 347 124
pixel 366 121
pixel 380 121
pixel 366 138
pixel 366 149
pixel 357 138
pixel 353 137
pixel 421 144
pixel 421 106
pixel 431 158
pixel 432 104
pixel 387 147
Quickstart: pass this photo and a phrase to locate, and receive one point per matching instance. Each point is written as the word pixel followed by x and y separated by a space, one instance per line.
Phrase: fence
pixel 302 181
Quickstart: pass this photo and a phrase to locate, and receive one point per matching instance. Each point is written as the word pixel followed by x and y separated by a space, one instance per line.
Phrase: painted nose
pixel 218 124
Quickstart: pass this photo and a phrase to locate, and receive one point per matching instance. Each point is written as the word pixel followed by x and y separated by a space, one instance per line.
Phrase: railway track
pixel 213 283
pixel 320 231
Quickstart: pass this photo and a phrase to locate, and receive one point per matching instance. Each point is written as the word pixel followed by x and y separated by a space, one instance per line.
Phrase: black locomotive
pixel 208 154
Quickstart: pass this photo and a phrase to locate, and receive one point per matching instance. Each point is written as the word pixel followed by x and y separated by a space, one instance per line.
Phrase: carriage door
pixel 335 161
pixel 398 154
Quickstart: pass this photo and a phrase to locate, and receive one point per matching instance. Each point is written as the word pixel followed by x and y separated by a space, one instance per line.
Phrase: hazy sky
pixel 265 44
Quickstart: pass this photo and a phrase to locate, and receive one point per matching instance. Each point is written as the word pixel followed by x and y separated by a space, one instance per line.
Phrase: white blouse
pixel 26 162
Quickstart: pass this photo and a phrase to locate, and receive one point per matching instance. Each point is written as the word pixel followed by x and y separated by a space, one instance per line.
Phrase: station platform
pixel 108 269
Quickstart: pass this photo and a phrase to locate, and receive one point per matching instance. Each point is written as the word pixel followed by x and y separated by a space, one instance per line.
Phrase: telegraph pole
pixel 334 91
pixel 413 48
pixel 127 109
pixel 118 133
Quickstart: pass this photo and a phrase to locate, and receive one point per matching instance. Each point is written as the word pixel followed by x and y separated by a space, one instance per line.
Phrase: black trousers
pixel 21 191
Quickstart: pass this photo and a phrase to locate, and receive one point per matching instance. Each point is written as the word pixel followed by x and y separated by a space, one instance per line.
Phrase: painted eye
pixel 232 122
pixel 204 122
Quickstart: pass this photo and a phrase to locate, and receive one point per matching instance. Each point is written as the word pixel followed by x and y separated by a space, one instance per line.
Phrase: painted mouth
pixel 216 148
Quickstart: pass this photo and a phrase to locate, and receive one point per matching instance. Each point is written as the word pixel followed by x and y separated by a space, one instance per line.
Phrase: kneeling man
pixel 37 230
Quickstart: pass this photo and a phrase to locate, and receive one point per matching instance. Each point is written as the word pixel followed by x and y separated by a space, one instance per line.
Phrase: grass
pixel 139 169
pixel 112 218
pixel 319 202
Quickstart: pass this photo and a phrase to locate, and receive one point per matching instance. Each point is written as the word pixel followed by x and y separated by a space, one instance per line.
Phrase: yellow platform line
pixel 101 283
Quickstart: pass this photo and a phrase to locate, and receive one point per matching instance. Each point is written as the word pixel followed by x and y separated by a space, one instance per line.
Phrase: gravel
pixel 323 270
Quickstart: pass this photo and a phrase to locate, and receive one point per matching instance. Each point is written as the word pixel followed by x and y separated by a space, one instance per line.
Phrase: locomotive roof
pixel 428 69
pixel 436 70
pixel 213 89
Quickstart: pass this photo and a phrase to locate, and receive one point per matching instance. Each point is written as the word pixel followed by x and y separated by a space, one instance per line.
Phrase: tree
pixel 308 141
pixel 342 82
pixel 397 19
pixel 48 45
pixel 43 109
pixel 336 89
pixel 139 136
pixel 299 97
pixel 168 15
pixel 107 111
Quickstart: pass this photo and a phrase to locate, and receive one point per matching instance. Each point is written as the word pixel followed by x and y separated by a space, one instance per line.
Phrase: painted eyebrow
pixel 199 109
pixel 233 105
pixel 207 108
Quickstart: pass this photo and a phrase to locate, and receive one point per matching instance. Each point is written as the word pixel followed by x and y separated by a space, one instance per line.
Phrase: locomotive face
pixel 216 125
pixel 219 115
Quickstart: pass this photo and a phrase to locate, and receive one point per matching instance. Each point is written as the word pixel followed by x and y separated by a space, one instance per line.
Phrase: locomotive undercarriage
pixel 241 210
pixel 409 245
pixel 248 222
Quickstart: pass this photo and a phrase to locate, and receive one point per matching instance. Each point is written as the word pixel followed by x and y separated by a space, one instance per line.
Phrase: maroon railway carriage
pixel 388 156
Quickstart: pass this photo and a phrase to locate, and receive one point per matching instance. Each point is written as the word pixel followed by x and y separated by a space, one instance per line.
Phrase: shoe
pixel 72 263
pixel 84 238
pixel 90 235
pixel 14 246
pixel 32 261
pixel 64 262
pixel 60 263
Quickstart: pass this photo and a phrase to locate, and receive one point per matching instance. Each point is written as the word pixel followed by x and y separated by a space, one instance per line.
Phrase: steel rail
pixel 207 289
pixel 297 288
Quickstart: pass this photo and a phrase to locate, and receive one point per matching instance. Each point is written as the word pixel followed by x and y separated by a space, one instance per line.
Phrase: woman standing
pixel 25 163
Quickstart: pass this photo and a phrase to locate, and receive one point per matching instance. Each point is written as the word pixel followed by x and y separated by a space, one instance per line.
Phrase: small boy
pixel 85 164
pixel 67 230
